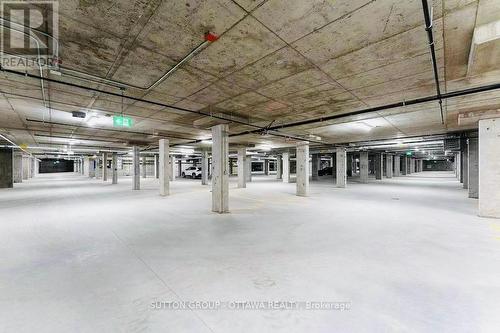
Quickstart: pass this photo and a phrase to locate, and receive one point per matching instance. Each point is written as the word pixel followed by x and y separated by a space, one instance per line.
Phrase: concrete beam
pixel 303 169
pixel 220 165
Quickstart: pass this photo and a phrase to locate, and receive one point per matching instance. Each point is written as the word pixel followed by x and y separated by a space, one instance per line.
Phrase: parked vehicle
pixel 192 172
pixel 325 171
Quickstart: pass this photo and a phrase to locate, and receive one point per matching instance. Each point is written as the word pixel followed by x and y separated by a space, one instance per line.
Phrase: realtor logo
pixel 29 33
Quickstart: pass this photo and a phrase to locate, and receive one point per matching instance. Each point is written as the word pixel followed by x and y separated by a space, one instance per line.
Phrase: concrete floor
pixel 409 254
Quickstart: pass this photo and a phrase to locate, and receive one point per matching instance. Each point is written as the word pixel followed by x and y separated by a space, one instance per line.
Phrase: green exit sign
pixel 409 153
pixel 122 121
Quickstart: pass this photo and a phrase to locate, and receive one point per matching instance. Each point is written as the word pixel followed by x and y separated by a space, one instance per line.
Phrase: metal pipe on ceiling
pixel 430 37
pixel 272 130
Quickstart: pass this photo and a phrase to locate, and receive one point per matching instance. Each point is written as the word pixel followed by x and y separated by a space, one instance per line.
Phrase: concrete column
pixel 97 167
pixel 143 170
pixel 303 169
pixel 6 168
pixel 220 172
pixel 248 168
pixel 25 168
pixel 114 168
pixel 18 167
pixel 404 166
pixel 379 166
pixel 165 167
pixel 242 162
pixel 104 167
pixel 458 164
pixel 473 167
pixel 363 166
pixel 315 166
pixel 341 167
pixel 136 165
pixel 397 165
pixel 389 160
pixel 266 167
pixel 204 167
pixel 279 168
pixel 157 166
pixel 172 168
pixel 489 166
pixel 179 168
pixel 465 164
pixel 86 166
pixel 92 167
pixel 286 167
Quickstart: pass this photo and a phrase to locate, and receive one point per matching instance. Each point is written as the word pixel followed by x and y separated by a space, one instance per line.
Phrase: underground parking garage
pixel 250 166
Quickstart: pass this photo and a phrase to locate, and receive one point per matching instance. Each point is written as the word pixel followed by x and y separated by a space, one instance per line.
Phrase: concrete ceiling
pixel 275 60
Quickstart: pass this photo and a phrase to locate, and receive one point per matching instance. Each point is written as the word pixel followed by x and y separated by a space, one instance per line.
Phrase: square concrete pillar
pixel 379 166
pixel 286 167
pixel 32 167
pixel 341 157
pixel 157 166
pixel 302 169
pixel 171 173
pixel 18 167
pixel 266 167
pixel 397 165
pixel 104 167
pixel 165 168
pixel 6 168
pixel 389 161
pixel 465 165
pixel 220 169
pixel 26 168
pixel 86 166
pixel 248 168
pixel 404 165
pixel 204 167
pixel 363 166
pixel 489 167
pixel 473 167
pixel 242 166
pixel 143 167
pixel 315 161
pixel 114 168
pixel 136 167
pixel 92 167
pixel 279 167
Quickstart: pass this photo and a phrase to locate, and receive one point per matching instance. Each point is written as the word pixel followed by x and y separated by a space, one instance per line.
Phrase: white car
pixel 193 172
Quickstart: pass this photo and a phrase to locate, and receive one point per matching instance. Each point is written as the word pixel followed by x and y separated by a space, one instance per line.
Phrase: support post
pixel 165 168
pixel 379 166
pixel 172 168
pixel 220 172
pixel 404 166
pixel 248 168
pixel 242 169
pixel 286 167
pixel 388 166
pixel 6 168
pixel 489 166
pixel 114 168
pixel 465 164
pixel 302 169
pixel 279 167
pixel 104 167
pixel 18 167
pixel 397 165
pixel 315 161
pixel 136 182
pixel 341 156
pixel 204 167
pixel 363 166
pixel 473 168
pixel 157 166
pixel 144 171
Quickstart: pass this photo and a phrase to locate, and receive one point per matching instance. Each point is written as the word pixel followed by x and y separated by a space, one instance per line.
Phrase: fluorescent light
pixel 206 142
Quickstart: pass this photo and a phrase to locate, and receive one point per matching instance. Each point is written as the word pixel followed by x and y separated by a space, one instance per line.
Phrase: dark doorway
pixel 50 165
